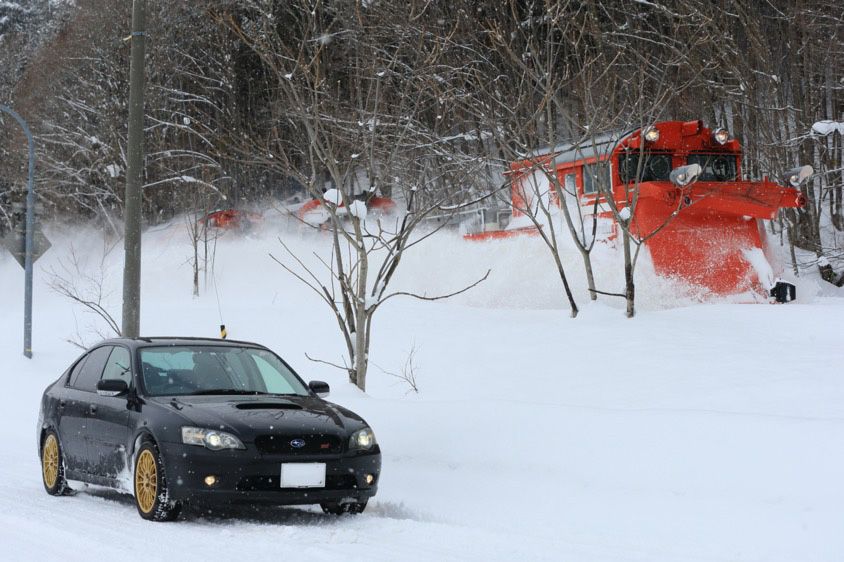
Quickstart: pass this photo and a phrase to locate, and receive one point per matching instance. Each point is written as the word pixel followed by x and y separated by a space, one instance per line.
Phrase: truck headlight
pixel 796 176
pixel 210 439
pixel 651 134
pixel 684 175
pixel 720 136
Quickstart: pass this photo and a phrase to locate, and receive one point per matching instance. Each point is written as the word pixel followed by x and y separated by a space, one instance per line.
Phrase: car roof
pixel 167 341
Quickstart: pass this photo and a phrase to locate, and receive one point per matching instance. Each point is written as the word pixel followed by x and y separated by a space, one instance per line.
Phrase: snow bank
pixel 700 432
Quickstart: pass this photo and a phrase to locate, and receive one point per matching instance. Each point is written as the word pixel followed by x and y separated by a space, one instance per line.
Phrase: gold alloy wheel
pixel 146 482
pixel 50 460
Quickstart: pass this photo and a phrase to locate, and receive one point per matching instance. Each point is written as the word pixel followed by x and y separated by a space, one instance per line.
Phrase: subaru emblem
pixel 297 443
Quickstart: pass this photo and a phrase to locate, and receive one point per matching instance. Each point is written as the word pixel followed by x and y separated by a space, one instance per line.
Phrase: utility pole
pixel 134 178
pixel 30 233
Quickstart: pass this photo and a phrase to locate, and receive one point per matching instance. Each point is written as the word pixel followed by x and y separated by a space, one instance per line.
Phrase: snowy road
pixel 696 434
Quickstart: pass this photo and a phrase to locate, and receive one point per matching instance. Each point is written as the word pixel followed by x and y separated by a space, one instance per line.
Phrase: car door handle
pixel 62 403
pixel 93 408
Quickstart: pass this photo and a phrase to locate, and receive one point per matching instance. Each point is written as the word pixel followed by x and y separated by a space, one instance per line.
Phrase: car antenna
pixel 219 308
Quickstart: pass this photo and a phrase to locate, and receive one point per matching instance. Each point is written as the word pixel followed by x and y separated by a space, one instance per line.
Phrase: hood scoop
pixel 267 406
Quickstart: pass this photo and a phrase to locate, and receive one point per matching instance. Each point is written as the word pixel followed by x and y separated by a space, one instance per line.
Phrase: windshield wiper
pixel 227 391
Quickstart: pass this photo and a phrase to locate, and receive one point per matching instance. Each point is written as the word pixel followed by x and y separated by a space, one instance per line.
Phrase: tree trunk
pixel 562 273
pixel 629 286
pixel 590 276
pixel 581 244
pixel 361 359
pixel 791 251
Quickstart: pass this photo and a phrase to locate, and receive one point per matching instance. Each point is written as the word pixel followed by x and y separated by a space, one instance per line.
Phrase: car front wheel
pixel 52 465
pixel 151 494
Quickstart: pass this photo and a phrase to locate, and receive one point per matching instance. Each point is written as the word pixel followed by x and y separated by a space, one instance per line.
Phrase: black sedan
pixel 181 420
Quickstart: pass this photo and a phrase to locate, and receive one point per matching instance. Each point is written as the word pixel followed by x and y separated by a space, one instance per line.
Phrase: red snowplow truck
pixel 701 222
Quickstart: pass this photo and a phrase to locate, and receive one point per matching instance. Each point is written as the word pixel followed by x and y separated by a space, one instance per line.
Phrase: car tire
pixel 150 486
pixel 52 465
pixel 352 508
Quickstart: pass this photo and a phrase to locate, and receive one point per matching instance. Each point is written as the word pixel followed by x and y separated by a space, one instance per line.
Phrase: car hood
pixel 251 416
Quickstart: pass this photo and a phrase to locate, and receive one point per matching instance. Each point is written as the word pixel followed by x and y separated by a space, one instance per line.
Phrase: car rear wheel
pixel 52 465
pixel 352 508
pixel 151 494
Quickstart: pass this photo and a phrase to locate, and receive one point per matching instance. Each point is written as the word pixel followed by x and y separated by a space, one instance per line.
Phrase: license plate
pixel 303 475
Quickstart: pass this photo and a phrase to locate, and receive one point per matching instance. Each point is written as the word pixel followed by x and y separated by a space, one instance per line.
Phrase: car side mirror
pixel 320 388
pixel 112 387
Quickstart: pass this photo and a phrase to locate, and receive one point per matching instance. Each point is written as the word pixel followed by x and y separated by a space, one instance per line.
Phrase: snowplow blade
pixel 716 240
pixel 761 200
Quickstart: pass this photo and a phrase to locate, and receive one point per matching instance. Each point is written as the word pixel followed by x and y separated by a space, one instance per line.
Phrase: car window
pixel 92 369
pixel 178 358
pixel 208 369
pixel 119 365
pixel 241 371
pixel 274 383
pixel 71 380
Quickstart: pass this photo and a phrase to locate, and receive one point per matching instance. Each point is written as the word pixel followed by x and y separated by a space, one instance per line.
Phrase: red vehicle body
pixel 232 219
pixel 718 217
pixel 375 204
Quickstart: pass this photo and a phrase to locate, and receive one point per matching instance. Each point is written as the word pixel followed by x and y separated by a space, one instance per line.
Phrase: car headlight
pixel 362 439
pixel 211 439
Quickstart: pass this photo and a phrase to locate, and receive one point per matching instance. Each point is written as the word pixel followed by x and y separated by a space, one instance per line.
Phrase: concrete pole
pixel 134 178
pixel 30 236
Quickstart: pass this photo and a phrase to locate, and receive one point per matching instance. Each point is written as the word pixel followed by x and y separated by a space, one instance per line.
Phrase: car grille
pixel 314 444
pixel 272 483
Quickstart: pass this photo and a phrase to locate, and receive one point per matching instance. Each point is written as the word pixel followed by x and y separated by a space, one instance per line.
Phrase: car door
pixel 108 430
pixel 74 407
pixel 70 421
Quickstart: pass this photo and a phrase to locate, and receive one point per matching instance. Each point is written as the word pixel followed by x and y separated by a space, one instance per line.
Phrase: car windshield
pixel 203 369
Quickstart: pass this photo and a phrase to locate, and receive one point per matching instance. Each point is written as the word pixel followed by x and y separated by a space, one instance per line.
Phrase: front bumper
pixel 247 476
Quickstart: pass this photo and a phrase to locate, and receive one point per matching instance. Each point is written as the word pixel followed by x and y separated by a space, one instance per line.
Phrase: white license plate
pixel 303 475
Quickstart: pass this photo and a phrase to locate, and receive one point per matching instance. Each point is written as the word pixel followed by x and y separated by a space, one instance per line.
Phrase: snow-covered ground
pixel 690 433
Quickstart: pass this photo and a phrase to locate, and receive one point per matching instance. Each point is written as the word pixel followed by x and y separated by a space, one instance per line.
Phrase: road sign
pixel 15 242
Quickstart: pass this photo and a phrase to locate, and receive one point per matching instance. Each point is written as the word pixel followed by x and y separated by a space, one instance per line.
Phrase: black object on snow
pixel 784 292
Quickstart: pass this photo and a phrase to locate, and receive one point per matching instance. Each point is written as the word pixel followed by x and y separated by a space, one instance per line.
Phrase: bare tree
pixel 372 125
pixel 501 78
pixel 578 78
pixel 203 239
pixel 77 282
pixel 409 371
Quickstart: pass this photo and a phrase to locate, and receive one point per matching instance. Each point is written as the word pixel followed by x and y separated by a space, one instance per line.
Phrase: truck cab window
pixel 716 167
pixel 594 176
pixel 655 167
